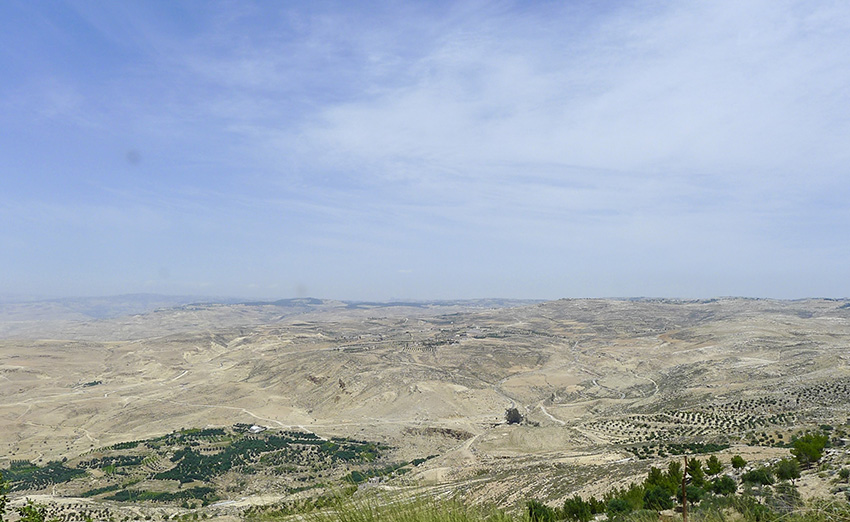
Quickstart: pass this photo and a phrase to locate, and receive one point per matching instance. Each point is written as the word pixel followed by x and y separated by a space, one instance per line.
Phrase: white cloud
pixel 713 88
pixel 472 144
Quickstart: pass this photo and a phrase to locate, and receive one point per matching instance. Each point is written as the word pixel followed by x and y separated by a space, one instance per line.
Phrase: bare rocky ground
pixel 607 387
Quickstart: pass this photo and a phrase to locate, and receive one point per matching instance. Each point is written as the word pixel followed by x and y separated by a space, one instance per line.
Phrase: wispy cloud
pixel 707 90
pixel 327 145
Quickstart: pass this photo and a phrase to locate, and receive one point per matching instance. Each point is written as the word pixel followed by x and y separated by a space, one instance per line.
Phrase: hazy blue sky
pixel 425 150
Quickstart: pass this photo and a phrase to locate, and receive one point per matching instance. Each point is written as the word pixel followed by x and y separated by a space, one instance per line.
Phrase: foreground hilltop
pixel 602 388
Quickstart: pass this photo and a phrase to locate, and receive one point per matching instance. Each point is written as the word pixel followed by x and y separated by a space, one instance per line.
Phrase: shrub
pixel 785 499
pixel 32 512
pixel 657 498
pixel 752 510
pixel 724 485
pixel 577 509
pixel 695 494
pixel 617 507
pixel 759 476
pixel 3 499
pixel 738 462
pixel 540 512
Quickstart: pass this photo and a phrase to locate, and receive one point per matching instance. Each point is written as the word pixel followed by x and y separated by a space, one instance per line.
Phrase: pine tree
pixel 713 466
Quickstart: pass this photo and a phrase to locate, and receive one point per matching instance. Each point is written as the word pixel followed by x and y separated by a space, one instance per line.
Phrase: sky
pixel 425 150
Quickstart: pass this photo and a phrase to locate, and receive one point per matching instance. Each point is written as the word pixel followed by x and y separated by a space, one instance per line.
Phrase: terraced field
pixel 196 467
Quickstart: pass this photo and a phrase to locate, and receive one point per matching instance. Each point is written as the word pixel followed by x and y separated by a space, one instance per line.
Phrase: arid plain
pixel 606 387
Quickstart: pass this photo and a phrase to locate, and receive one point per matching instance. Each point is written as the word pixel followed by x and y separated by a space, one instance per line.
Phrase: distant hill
pixel 134 316
pixel 87 308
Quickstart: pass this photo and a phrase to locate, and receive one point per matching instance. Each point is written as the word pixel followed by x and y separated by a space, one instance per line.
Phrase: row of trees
pixel 662 489
pixel 35 477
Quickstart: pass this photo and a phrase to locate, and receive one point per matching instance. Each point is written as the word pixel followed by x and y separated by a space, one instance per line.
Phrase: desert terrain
pixel 605 387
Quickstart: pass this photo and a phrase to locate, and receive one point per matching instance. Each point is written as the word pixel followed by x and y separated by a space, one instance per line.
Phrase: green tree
pixel 808 449
pixel 633 495
pixel 787 469
pixel 616 507
pixel 513 416
pixel 696 473
pixel 657 498
pixel 674 472
pixel 577 509
pixel 695 494
pixel 713 466
pixel 724 485
pixel 654 476
pixel 738 462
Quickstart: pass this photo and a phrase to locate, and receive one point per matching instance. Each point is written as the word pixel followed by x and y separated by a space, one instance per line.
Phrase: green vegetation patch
pixel 663 449
pixel 268 450
pixel 113 461
pixel 25 477
pixel 298 460
pixel 695 448
pixel 125 445
pixel 203 493
pixel 356 477
pixel 99 491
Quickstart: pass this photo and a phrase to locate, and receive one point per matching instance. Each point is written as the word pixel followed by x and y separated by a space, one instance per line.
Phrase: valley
pixel 605 388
